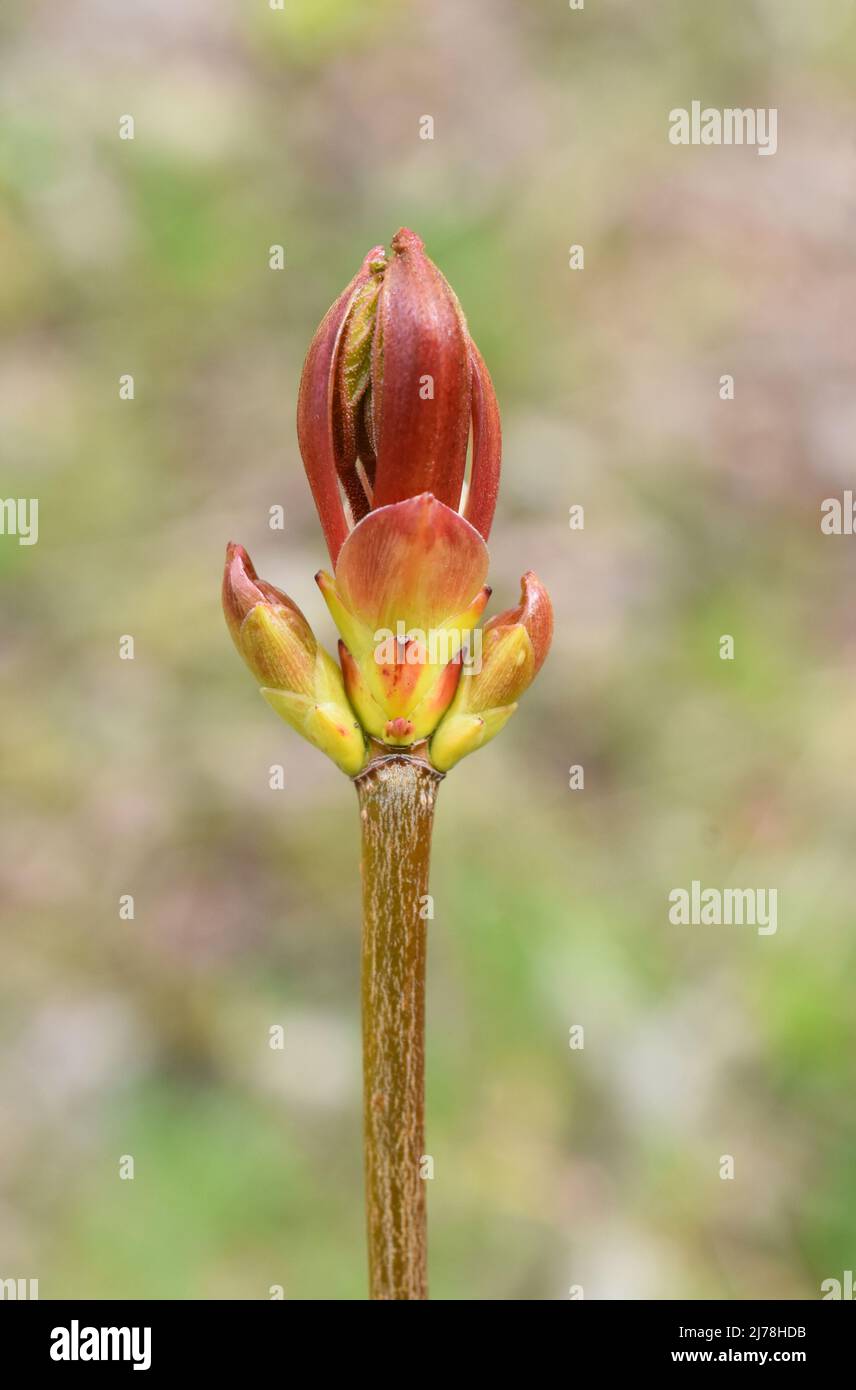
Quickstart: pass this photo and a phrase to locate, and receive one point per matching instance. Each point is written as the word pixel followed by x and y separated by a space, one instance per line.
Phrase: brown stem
pixel 396 793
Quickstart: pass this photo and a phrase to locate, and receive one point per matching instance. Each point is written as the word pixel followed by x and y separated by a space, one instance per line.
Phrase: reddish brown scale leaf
pixel 421 439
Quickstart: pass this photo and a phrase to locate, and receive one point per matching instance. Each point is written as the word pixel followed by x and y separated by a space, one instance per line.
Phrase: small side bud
pixel 297 677
pixel 514 646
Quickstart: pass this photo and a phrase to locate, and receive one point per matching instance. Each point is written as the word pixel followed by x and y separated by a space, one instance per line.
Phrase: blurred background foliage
pixel 150 777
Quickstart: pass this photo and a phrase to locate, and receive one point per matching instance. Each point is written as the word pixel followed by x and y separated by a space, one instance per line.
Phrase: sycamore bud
pixel 400 435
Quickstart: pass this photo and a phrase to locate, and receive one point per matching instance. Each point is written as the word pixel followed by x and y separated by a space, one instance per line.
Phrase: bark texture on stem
pixel 396 795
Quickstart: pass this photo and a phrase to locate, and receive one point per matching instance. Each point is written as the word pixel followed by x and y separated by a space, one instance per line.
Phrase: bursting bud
pixel 514 646
pixel 399 431
pixel 297 677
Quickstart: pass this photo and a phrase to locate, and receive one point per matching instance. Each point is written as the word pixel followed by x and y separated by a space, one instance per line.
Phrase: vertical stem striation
pixel 396 794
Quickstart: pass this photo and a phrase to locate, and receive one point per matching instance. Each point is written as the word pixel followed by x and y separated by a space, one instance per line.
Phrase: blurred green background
pixel 149 1037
